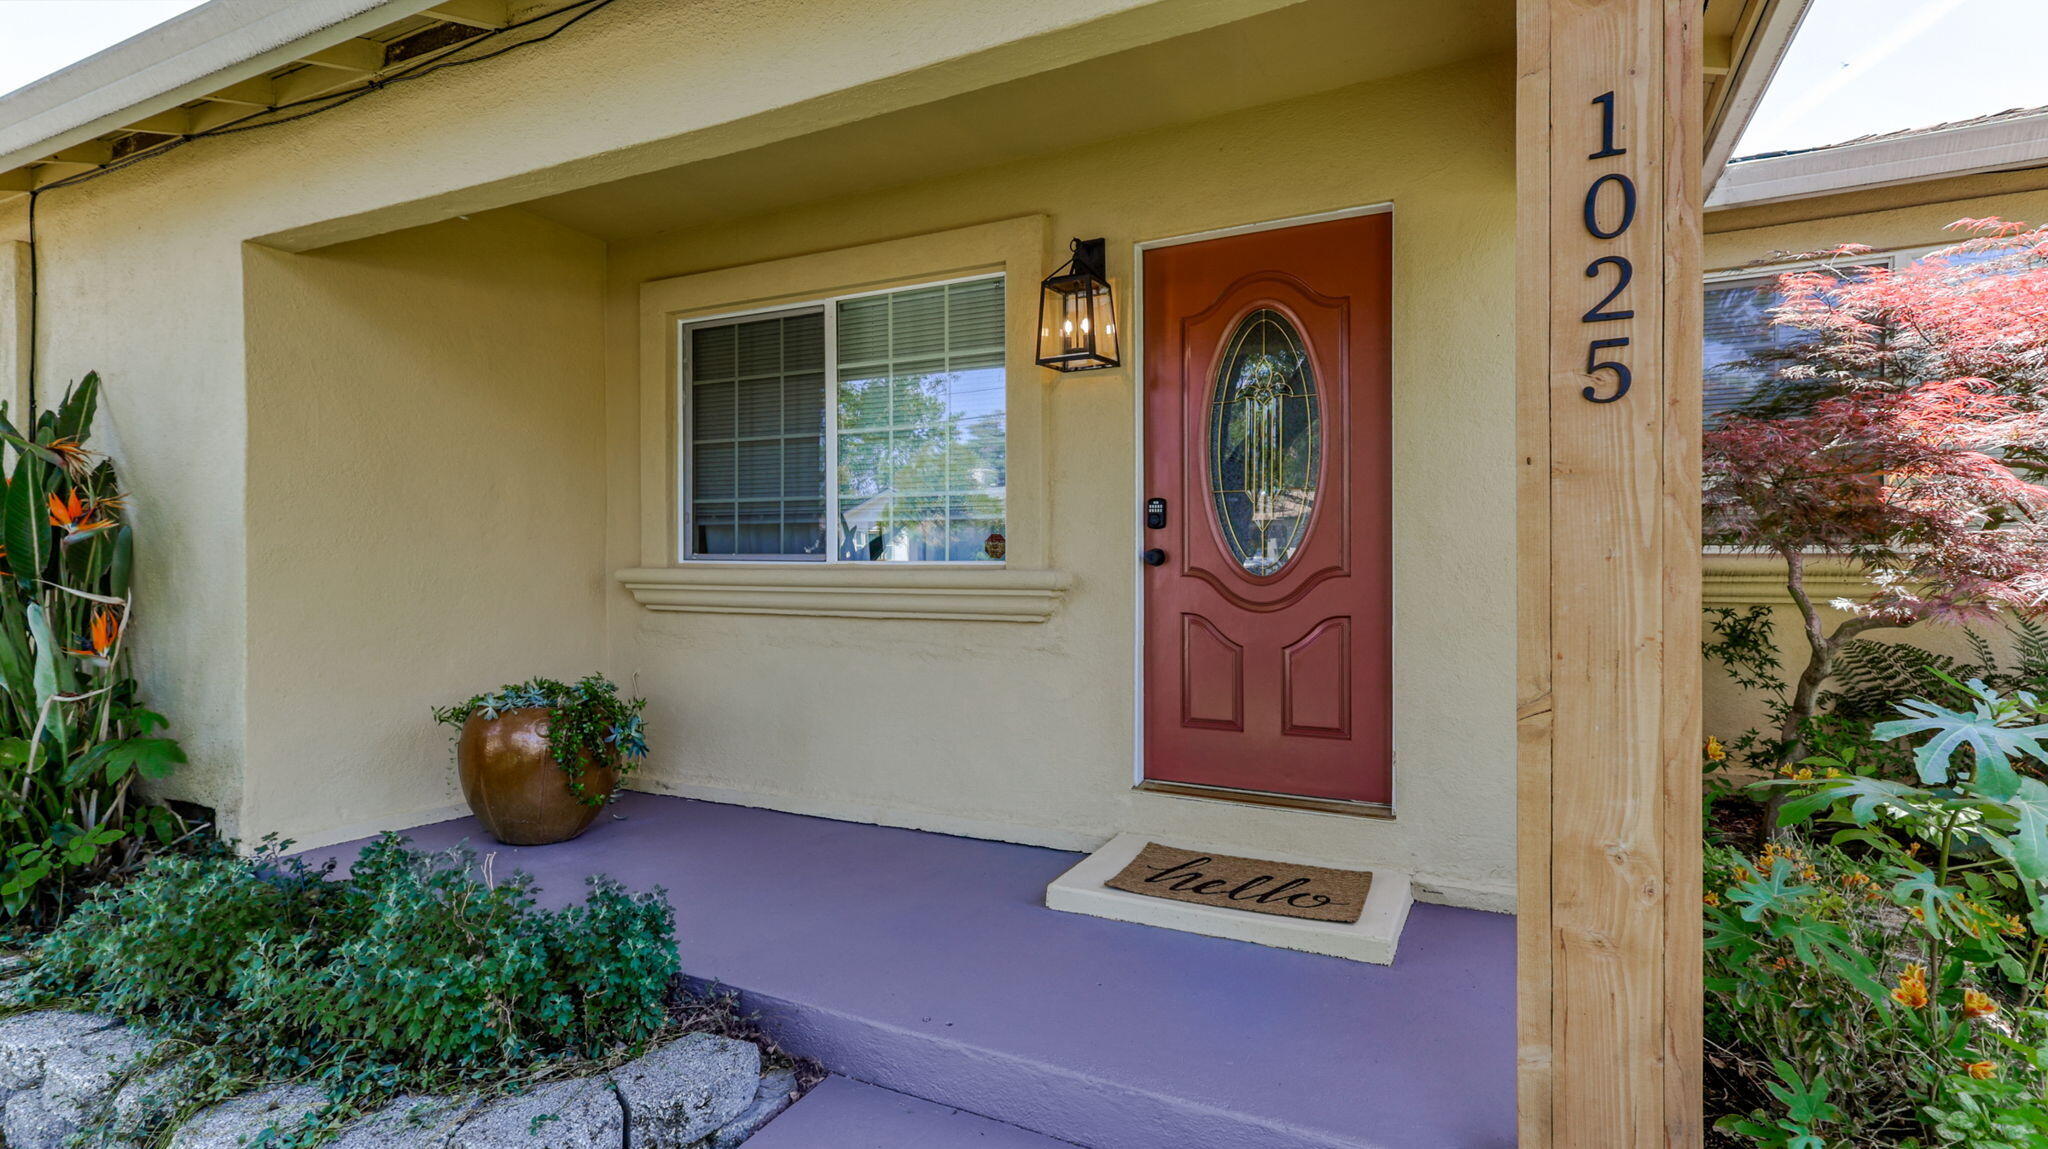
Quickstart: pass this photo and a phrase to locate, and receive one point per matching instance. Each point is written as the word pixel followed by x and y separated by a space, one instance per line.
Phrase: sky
pixel 1863 66
pixel 1857 66
pixel 38 37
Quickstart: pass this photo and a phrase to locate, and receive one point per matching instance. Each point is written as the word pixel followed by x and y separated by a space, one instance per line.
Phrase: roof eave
pixel 202 51
pixel 1753 66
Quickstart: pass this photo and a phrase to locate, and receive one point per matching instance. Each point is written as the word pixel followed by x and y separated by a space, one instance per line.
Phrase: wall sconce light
pixel 1077 313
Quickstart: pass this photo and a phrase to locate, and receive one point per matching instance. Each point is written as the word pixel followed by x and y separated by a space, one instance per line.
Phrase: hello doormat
pixel 1245 884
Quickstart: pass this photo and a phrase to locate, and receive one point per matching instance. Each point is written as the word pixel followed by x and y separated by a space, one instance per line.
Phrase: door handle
pixel 1153 557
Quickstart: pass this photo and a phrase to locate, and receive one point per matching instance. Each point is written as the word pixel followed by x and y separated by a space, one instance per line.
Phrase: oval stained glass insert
pixel 1265 442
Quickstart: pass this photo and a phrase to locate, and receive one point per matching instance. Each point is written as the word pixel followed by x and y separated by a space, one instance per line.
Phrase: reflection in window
pixel 915 424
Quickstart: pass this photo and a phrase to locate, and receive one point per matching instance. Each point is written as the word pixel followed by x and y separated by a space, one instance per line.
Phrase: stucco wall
pixel 425 500
pixel 1888 219
pixel 142 279
pixel 1025 731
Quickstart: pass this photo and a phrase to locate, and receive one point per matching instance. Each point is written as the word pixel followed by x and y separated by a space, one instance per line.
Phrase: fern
pixel 1872 678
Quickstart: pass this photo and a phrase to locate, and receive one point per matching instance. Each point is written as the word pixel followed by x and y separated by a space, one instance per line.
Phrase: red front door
pixel 1268 653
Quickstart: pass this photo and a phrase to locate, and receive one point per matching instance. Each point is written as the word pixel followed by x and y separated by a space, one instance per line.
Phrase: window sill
pixel 995 594
pixel 1746 579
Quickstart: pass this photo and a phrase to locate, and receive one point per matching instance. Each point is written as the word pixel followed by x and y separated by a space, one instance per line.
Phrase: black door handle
pixel 1153 557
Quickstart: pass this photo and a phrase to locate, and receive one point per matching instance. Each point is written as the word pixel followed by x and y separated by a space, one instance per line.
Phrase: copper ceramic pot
pixel 514 785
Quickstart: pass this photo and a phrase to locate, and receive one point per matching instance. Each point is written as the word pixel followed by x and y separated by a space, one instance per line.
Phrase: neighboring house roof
pixel 2002 141
pixel 221 62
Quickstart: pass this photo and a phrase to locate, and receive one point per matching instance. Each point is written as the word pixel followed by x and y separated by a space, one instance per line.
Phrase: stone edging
pixel 699 1091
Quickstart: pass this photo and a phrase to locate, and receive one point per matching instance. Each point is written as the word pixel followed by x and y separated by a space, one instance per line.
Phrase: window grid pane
pixel 916 417
pixel 920 413
pixel 757 434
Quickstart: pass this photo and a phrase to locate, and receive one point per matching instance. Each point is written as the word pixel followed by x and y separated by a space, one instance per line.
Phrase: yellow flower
pixel 1809 874
pixel 1919 914
pixel 1715 752
pixel 1982 1070
pixel 1977 1003
pixel 1912 990
pixel 1712 898
pixel 2013 925
pixel 1834 773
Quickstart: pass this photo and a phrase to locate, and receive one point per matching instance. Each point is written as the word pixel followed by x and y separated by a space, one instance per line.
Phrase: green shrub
pixel 412 960
pixel 74 737
pixel 412 974
pixel 1877 971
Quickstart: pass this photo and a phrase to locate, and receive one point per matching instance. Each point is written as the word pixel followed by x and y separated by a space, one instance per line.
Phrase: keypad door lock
pixel 1155 514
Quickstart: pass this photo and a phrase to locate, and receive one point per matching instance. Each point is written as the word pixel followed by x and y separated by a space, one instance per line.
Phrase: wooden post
pixel 1608 360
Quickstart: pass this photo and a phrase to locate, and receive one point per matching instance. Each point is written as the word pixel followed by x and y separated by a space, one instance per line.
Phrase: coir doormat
pixel 1245 884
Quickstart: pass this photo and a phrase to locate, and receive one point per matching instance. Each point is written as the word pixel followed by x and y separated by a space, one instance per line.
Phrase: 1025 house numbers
pixel 1610 212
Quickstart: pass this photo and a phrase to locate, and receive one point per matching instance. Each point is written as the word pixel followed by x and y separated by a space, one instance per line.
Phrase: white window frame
pixel 828 306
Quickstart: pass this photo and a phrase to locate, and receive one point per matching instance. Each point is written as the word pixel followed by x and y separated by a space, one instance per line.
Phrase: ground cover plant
pixel 413 974
pixel 75 738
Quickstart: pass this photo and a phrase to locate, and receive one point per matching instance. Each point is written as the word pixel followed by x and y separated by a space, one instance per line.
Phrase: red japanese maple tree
pixel 1907 430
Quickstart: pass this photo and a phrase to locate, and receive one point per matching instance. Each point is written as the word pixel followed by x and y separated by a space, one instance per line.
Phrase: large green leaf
pixel 74 414
pixel 1952 730
pixel 45 672
pixel 1867 798
pixel 26 529
pixel 2028 846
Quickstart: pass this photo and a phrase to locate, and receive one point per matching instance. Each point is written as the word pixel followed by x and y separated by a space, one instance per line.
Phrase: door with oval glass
pixel 1267 628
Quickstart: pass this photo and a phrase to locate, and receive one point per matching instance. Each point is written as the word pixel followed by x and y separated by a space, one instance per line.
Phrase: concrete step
pixel 845 1114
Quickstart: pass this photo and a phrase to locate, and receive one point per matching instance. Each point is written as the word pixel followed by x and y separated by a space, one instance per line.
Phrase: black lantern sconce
pixel 1077 313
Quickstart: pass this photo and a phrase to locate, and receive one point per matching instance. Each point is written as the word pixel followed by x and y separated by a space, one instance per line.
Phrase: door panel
pixel 1267 419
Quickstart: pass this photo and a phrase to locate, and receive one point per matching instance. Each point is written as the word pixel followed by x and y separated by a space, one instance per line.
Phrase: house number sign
pixel 1610 212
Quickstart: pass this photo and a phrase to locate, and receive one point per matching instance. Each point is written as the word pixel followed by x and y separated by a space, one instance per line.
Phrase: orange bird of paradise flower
pixel 75 515
pixel 105 631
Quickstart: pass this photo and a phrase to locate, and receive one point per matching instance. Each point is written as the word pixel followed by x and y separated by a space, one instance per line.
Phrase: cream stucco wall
pixel 143 280
pixel 1025 731
pixel 385 439
pixel 1888 219
pixel 426 496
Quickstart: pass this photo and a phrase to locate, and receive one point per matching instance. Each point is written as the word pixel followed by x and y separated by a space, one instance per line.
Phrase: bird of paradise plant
pixel 74 737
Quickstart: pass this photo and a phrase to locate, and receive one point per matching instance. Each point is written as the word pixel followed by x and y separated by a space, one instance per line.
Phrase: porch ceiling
pixel 1313 46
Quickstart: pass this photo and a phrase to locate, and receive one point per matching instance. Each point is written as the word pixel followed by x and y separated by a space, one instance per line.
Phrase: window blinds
pixel 757 437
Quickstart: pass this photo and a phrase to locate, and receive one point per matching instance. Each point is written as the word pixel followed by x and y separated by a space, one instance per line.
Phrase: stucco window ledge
pixel 1737 579
pixel 835 591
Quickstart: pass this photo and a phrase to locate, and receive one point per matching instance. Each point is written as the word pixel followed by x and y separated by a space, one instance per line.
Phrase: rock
pixel 238 1120
pixel 775 1093
pixel 579 1114
pixel 27 1038
pixel 78 1076
pixel 30 1124
pixel 409 1122
pixel 677 1094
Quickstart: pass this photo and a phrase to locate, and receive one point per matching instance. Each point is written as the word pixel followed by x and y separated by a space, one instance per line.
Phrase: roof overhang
pixel 1744 42
pixel 1966 149
pixel 218 61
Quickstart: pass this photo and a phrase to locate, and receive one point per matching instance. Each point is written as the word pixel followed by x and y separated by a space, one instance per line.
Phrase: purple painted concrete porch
pixel 928 965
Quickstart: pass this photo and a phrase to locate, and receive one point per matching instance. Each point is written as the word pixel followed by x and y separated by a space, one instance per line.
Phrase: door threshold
pixel 1269 799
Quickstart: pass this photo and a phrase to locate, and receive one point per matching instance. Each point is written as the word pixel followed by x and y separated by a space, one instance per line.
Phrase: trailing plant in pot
pixel 538 759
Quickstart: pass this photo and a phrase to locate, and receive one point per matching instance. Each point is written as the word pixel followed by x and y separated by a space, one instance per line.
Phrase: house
pixel 1895 192
pixel 453 341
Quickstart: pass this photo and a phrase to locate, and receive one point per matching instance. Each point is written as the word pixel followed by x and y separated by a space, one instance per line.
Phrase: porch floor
pixel 929 965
